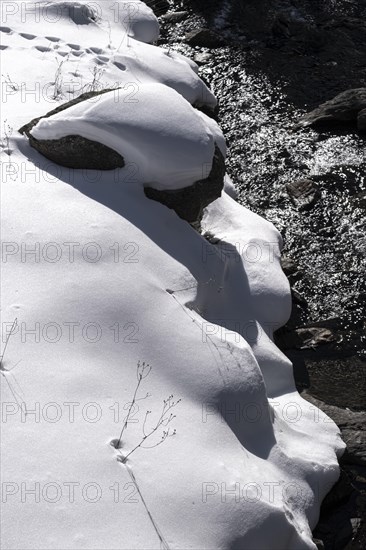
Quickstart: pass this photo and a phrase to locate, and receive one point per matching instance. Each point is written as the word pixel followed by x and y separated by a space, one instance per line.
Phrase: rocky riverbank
pixel 269 63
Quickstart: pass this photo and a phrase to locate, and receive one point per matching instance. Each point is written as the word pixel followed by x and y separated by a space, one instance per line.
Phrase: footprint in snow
pixel 120 66
pixel 6 29
pixel 27 36
pixel 42 48
pixel 95 50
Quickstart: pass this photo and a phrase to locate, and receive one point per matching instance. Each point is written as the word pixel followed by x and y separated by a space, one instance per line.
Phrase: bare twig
pixel 17 394
pixel 166 417
pixel 163 542
pixel 5 141
pixel 57 90
pixel 143 370
pixel 8 81
pixel 7 341
pixel 96 83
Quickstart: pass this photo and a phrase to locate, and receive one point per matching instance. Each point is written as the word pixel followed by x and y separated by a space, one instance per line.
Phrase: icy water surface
pixel 326 242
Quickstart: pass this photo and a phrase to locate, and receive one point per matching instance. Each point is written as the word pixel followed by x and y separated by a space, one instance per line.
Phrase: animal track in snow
pixel 119 65
pixel 99 61
pixel 53 38
pixel 27 36
pixel 95 50
pixel 6 29
pixel 42 48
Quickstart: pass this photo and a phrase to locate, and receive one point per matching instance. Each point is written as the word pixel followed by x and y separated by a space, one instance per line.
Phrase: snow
pixel 99 278
pixel 120 19
pixel 168 142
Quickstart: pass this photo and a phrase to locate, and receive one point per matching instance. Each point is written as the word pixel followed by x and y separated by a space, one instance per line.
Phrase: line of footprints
pixel 58 46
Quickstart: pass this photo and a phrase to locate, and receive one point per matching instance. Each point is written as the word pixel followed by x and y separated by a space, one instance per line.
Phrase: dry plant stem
pixel 143 371
pixel 18 398
pixel 164 420
pixel 57 91
pixel 12 85
pixel 5 142
pixel 163 542
pixel 96 83
pixel 7 341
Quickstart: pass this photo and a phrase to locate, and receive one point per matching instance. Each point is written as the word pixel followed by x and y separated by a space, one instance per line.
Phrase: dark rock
pixel 189 202
pixel 253 17
pixel 281 26
pixel 335 381
pixel 286 24
pixel 361 121
pixel 300 33
pixel 299 316
pixel 288 265
pixel 298 299
pixel 343 535
pixel 352 425
pixel 175 16
pixel 159 7
pixel 303 193
pixel 340 492
pixel 75 151
pixel 204 38
pixel 309 338
pixel 356 444
pixel 313 337
pixel 342 109
pixel 78 152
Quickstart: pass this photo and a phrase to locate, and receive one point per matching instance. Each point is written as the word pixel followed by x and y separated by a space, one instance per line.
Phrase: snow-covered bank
pixel 105 278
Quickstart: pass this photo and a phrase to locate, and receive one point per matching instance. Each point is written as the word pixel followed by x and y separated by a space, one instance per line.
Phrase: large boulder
pixel 343 109
pixel 74 151
pixel 165 155
pixel 189 202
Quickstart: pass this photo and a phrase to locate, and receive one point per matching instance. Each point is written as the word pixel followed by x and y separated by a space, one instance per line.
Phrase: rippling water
pixel 266 152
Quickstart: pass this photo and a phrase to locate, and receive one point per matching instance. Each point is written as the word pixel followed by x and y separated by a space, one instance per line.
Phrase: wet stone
pixel 303 193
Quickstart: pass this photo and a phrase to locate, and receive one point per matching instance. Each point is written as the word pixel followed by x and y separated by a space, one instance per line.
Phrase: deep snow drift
pixel 99 277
